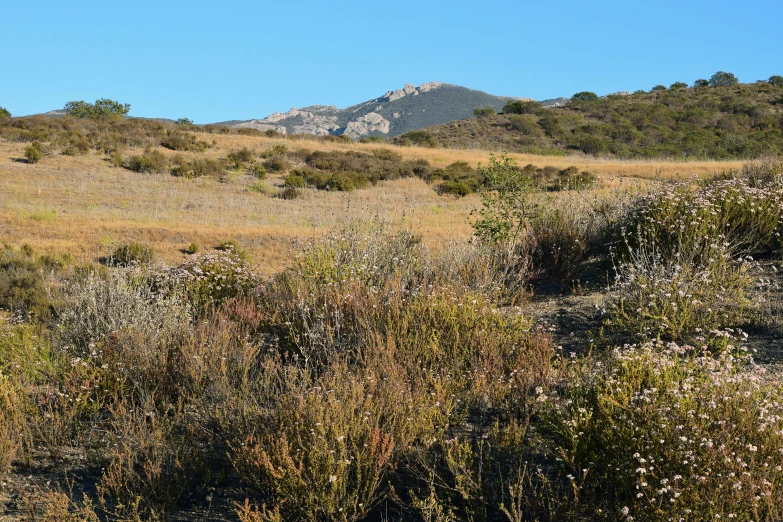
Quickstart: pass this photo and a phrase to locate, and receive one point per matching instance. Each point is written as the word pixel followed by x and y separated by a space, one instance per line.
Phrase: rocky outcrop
pixel 408 90
pixel 367 124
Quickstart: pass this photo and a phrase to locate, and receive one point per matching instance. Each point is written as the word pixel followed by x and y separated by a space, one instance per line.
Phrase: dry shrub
pixel 95 307
pixel 11 418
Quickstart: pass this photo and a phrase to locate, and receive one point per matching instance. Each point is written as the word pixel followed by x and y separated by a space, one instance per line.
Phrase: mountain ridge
pixel 396 112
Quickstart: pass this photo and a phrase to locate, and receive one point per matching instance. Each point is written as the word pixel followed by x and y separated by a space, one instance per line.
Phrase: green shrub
pixel 659 88
pixel 507 207
pixel 184 121
pixel 585 96
pixel 232 246
pixel 676 86
pixel 33 154
pixel 418 139
pixel 183 141
pixel 23 285
pixel 775 80
pixel 152 161
pixel 294 181
pixel 521 107
pixel 484 112
pixel 527 125
pixel 258 171
pixel 260 187
pixel 103 108
pixel 133 253
pixel 4 114
pixel 723 79
pixel 193 248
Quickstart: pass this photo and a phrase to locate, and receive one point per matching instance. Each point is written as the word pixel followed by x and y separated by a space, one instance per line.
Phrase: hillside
pixel 744 120
pixel 396 112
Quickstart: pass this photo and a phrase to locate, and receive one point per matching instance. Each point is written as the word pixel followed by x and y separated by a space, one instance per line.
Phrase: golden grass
pixel 82 205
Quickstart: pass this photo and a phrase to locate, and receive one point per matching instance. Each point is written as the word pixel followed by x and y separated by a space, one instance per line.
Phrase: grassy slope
pixel 740 121
pixel 83 205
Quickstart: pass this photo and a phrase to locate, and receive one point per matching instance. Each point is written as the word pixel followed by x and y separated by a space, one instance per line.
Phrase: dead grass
pixel 83 205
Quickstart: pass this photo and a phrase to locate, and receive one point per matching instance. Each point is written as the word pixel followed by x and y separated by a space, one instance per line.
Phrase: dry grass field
pixel 83 205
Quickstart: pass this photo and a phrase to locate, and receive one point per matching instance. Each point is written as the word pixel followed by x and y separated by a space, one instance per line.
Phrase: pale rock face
pixel 260 125
pixel 409 90
pixel 369 123
pixel 396 95
pixel 395 115
pixel 426 87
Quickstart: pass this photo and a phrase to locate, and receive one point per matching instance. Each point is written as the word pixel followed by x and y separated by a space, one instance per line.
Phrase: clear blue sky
pixel 238 60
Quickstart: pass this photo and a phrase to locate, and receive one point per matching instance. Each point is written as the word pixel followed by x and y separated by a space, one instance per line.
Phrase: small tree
pixel 521 107
pixel 659 88
pixel 585 96
pixel 775 80
pixel 701 83
pixel 723 79
pixel 4 114
pixel 678 85
pixel 102 108
pixel 484 112
pixel 184 121
pixel 507 208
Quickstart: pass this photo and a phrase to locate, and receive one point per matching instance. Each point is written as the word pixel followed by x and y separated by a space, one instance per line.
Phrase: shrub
pixel 775 80
pixel 660 432
pixel 418 138
pixel 659 88
pixel 676 86
pixel 484 112
pixel 258 171
pixel 208 280
pixel 103 108
pixel 294 181
pixel 521 107
pixel 506 202
pixel 11 414
pixel 527 125
pixel 260 187
pixel 116 159
pixel 232 246
pixel 680 218
pixel 585 96
pixel 243 155
pixel 184 121
pixel 23 285
pixel 33 154
pixel 133 253
pixel 723 79
pixel 182 141
pixel 198 167
pixel 5 115
pixel 150 162
pixel 277 164
pixel 95 308
pixel 290 193
pixel 684 297
pixel 193 248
